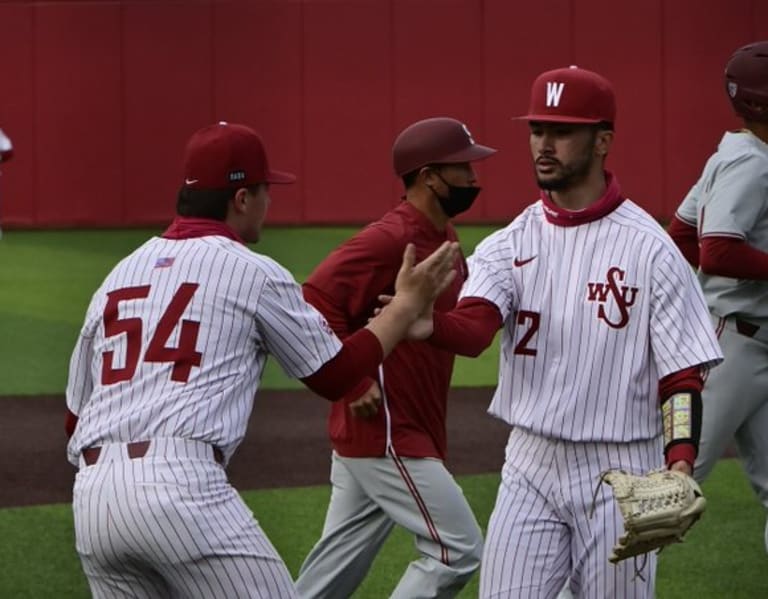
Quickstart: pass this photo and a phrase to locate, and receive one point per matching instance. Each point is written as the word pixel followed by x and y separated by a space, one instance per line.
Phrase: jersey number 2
pixel 184 357
pixel 522 348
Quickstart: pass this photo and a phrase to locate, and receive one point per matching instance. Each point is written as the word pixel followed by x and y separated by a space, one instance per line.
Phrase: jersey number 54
pixel 183 357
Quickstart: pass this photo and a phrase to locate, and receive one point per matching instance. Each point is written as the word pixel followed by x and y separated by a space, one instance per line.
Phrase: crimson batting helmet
pixel 439 140
pixel 746 81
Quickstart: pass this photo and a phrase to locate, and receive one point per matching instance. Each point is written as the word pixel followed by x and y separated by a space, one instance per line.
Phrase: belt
pixel 135 450
pixel 746 328
pixel 758 332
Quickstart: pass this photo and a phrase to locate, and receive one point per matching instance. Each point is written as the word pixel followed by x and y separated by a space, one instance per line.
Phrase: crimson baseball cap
pixel 571 95
pixel 226 155
pixel 438 140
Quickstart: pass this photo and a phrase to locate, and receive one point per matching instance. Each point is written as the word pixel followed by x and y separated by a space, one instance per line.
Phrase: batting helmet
pixel 439 140
pixel 746 81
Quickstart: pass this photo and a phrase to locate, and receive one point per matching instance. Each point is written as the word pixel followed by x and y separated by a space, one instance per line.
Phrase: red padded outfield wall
pixel 100 96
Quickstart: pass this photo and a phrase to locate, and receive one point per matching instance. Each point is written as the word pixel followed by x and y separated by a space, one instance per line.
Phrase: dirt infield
pixel 286 444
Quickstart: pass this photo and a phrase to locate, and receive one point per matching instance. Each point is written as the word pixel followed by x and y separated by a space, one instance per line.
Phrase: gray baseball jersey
pixel 171 352
pixel 731 200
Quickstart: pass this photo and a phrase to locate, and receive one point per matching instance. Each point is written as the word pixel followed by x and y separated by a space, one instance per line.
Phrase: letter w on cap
pixel 554 91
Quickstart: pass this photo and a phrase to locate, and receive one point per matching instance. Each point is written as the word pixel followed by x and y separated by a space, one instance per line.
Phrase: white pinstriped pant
pixel 170 525
pixel 540 532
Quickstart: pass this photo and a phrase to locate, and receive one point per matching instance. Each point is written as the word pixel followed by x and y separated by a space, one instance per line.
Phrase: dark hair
pixel 208 203
pixel 604 126
pixel 409 179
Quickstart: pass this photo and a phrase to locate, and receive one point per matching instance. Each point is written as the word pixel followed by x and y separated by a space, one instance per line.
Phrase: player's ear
pixel 427 175
pixel 240 201
pixel 603 142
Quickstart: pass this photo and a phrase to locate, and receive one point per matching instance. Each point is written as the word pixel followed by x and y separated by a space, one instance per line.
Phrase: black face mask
pixel 459 199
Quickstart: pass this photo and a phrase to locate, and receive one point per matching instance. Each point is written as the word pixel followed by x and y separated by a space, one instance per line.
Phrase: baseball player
pixel 722 228
pixel 163 377
pixel 605 335
pixel 388 434
pixel 6 147
pixel 6 153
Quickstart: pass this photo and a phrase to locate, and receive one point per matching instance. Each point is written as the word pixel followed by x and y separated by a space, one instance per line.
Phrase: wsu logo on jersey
pixel 624 297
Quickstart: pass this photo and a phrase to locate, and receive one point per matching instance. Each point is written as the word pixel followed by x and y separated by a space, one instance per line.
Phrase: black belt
pixel 135 450
pixel 746 328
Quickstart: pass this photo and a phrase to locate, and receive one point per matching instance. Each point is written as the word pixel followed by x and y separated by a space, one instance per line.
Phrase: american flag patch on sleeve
pixel 164 262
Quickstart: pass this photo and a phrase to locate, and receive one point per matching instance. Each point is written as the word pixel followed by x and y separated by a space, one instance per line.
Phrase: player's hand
pixel 424 325
pixel 421 328
pixel 367 405
pixel 417 285
pixel 384 300
pixel 682 466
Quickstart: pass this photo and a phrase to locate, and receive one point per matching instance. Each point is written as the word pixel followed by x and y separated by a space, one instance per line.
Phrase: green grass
pixel 47 279
pixel 722 558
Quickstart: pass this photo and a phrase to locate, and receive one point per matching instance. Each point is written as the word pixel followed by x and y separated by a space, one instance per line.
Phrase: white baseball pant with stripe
pixel 541 531
pixel 173 525
pixel 370 496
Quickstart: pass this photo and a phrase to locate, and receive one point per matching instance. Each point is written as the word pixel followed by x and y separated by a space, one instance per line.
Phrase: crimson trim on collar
pixel 609 201
pixel 184 227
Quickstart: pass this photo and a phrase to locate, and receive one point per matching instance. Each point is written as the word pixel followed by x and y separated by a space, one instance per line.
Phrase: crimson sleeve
pixel 359 357
pixel 346 285
pixel 734 258
pixel 686 238
pixel 682 380
pixel 687 380
pixel 468 329
pixel 345 288
pixel 332 311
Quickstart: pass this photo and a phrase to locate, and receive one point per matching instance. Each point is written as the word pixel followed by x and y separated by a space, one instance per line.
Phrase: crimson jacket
pixel 345 289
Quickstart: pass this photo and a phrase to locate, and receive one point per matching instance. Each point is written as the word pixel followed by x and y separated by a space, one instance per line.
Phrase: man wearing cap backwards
pixel 605 335
pixel 388 433
pixel 163 377
pixel 722 227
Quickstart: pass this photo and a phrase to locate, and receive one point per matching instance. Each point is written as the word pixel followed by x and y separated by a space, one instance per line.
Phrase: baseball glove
pixel 658 509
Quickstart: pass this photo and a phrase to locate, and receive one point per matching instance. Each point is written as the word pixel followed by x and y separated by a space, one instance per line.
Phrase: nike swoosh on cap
pixel 190 181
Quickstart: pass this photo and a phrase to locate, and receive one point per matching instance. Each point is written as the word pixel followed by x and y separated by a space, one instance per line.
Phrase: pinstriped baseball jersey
pixel 730 199
pixel 594 315
pixel 176 339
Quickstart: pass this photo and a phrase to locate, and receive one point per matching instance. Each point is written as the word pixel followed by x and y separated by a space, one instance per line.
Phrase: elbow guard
pixel 681 416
